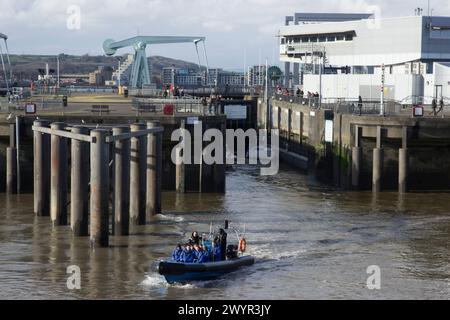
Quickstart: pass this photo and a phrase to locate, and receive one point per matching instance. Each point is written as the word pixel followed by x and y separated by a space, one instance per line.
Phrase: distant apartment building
pixel 232 79
pixel 195 78
pixel 256 75
pixel 181 77
pixel 168 76
pixel 100 76
pixel 213 76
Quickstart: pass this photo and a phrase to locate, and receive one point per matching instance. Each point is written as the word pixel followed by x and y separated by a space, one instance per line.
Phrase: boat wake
pixel 169 217
pixel 155 280
pixel 270 254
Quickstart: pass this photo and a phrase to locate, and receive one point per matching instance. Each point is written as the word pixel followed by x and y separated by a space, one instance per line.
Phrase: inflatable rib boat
pixel 178 272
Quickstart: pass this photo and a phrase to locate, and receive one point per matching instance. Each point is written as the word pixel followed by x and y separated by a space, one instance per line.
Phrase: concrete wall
pixel 398 87
pixel 428 146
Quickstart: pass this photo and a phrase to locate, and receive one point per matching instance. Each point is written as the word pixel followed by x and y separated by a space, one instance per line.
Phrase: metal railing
pixel 348 106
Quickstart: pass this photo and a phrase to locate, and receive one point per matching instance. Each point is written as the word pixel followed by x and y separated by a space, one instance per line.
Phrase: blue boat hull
pixel 177 272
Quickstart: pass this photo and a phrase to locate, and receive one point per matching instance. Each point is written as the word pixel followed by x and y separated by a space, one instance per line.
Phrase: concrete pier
pixel 79 205
pixel 138 166
pixel 41 170
pixel 58 177
pixel 99 222
pixel 11 170
pixel 121 184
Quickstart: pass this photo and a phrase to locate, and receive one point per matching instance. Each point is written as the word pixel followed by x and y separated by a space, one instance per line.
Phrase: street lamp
pixel 118 72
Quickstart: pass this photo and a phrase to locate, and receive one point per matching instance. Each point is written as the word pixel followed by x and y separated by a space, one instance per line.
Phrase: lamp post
pixel 118 72
pixel 383 78
pixel 266 97
pixel 57 74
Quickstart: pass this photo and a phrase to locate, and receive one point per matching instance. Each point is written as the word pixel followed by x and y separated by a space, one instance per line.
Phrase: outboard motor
pixel 232 251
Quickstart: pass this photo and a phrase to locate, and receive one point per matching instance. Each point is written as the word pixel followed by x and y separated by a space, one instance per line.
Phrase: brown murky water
pixel 310 242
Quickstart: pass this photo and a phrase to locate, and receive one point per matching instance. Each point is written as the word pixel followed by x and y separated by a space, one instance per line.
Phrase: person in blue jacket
pixel 216 252
pixel 188 254
pixel 201 256
pixel 176 255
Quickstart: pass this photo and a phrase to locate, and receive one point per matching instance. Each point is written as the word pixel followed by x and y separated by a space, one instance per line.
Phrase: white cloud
pixel 38 26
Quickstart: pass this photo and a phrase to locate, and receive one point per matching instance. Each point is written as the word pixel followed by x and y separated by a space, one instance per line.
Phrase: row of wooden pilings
pixel 377 164
pixel 126 159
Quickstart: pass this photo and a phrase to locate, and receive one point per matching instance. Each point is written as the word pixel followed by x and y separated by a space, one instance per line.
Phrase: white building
pixel 342 55
pixel 256 75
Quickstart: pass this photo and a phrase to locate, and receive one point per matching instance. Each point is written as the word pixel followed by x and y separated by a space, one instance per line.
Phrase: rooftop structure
pixel 302 18
pixel 391 41
pixel 410 51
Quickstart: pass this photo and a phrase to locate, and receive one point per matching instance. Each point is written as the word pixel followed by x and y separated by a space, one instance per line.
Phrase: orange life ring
pixel 242 245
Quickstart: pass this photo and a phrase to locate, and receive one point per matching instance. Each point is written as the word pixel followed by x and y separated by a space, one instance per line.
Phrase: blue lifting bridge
pixel 140 74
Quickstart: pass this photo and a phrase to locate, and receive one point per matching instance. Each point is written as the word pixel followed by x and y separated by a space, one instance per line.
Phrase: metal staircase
pixel 124 67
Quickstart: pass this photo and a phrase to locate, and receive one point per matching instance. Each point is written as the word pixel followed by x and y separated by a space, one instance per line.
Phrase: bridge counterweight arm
pixel 110 46
pixel 140 74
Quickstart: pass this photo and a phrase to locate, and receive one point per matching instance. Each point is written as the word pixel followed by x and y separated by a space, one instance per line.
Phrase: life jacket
pixel 176 255
pixel 201 256
pixel 217 253
pixel 188 256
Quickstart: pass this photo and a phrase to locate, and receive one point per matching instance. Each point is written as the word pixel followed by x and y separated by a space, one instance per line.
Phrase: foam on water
pixel 154 280
pixel 169 217
pixel 269 253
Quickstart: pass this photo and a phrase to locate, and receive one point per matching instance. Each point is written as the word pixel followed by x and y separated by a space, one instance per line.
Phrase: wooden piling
pixel 41 144
pixel 403 170
pixel 151 209
pixel 377 169
pixel 11 170
pixel 180 166
pixel 219 169
pixel 79 195
pixel 99 204
pixel 356 159
pixel 121 183
pixel 159 169
pixel 58 177
pixel 377 166
pixel 356 166
pixel 12 135
pixel 138 165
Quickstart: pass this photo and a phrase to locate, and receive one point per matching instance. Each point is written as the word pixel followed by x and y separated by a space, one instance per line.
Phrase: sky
pixel 238 32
